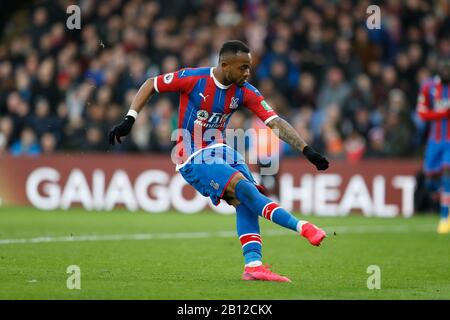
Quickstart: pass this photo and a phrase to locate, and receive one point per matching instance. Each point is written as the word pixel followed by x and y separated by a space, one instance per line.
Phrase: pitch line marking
pixel 215 234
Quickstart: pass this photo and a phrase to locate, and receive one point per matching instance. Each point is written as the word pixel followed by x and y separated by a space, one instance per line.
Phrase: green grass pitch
pixel 125 255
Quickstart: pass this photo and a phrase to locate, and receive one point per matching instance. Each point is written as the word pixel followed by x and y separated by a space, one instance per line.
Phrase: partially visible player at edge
pixel 434 106
pixel 208 97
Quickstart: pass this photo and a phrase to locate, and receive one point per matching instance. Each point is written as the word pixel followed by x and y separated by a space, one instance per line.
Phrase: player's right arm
pixel 424 108
pixel 170 82
pixel 145 92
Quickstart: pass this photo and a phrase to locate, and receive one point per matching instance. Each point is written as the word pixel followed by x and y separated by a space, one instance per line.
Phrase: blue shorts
pixel 211 170
pixel 437 157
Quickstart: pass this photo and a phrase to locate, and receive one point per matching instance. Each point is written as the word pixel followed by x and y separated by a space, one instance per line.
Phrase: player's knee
pixel 233 201
pixel 233 182
pixel 230 194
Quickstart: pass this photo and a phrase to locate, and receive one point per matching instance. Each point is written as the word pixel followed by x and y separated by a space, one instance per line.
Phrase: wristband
pixel 132 113
pixel 305 149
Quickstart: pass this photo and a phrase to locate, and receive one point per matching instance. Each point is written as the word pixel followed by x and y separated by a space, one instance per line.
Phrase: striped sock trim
pixel 445 198
pixel 254 264
pixel 269 209
pixel 300 225
pixel 250 238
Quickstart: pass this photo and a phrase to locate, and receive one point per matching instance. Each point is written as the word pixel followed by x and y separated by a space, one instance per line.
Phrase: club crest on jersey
pixel 234 103
pixel 202 115
pixel 168 78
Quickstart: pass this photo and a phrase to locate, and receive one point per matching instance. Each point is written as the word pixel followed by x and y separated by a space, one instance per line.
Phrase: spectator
pixel 376 145
pixel 42 121
pixel 355 146
pixel 398 126
pixel 335 90
pixel 48 143
pixel 360 97
pixel 344 59
pixel 6 130
pixel 142 131
pixel 27 145
pixel 305 93
pixel 95 140
pixel 308 58
pixel 160 141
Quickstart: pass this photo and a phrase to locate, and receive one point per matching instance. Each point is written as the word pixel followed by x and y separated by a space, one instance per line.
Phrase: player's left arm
pixel 256 103
pixel 288 134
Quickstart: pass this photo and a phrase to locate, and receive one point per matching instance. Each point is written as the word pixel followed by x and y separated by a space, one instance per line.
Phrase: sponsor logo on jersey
pixel 213 120
pixel 266 106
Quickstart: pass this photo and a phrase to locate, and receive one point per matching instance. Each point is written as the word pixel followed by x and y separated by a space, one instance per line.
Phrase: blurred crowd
pixel 349 91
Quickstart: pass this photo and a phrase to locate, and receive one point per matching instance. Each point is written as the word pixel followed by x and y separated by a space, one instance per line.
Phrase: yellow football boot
pixel 444 226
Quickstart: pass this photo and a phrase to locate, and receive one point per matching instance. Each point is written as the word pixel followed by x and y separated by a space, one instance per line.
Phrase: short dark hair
pixel 233 46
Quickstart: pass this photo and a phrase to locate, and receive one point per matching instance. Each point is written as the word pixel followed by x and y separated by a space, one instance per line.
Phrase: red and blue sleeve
pixel 424 108
pixel 254 101
pixel 172 82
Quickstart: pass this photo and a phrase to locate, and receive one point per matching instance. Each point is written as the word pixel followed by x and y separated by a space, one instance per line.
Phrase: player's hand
pixel 315 158
pixel 121 130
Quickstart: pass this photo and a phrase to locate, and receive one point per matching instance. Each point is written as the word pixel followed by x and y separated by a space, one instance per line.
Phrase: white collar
pixel 221 86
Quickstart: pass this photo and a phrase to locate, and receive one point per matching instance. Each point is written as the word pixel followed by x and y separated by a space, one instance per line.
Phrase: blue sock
pixel 445 195
pixel 248 232
pixel 247 193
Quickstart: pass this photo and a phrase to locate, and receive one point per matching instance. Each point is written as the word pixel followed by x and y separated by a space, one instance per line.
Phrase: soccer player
pixel 208 97
pixel 434 106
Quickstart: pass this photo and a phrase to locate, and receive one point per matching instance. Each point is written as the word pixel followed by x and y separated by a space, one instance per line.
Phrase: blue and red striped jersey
pixel 206 106
pixel 434 105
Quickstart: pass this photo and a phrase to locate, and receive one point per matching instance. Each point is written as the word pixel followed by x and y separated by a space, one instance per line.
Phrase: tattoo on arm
pixel 287 133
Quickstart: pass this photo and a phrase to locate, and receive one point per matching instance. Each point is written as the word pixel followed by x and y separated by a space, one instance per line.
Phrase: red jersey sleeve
pixel 424 108
pixel 254 101
pixel 173 82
